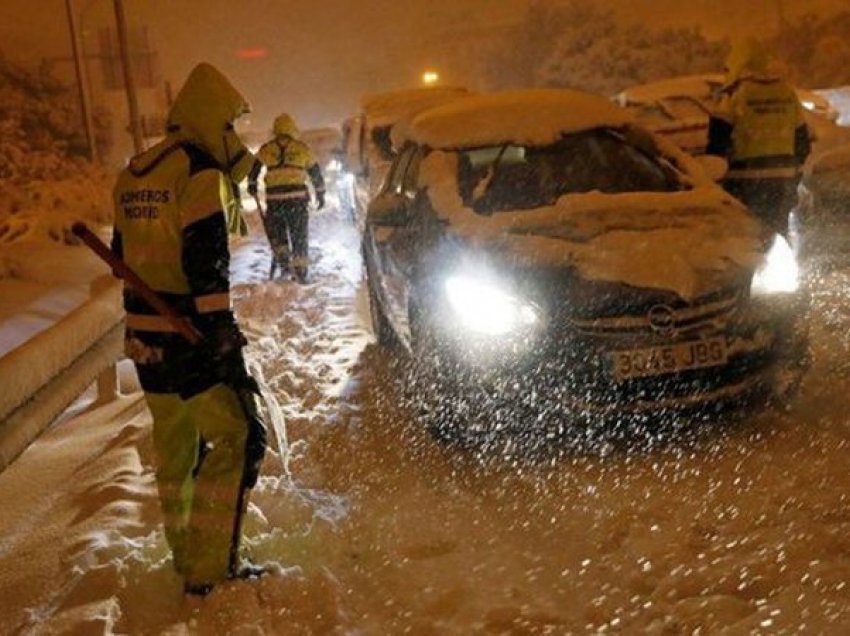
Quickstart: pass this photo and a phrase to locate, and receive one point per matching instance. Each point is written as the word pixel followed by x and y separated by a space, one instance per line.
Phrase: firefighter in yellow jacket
pixel 289 164
pixel 170 227
pixel 759 128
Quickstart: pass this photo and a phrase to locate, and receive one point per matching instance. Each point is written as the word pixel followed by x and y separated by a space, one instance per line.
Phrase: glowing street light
pixel 429 78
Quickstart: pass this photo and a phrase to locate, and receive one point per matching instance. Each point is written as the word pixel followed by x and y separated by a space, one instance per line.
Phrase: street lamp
pixel 429 78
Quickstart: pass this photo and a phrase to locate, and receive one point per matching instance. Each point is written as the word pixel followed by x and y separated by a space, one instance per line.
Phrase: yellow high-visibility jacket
pixel 170 227
pixel 289 164
pixel 759 127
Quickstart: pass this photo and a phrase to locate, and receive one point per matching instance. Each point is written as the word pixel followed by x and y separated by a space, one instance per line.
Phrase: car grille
pixel 664 319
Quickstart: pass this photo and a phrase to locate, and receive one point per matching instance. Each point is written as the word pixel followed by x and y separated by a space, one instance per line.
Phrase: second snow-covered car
pixel 679 109
pixel 542 251
pixel 820 224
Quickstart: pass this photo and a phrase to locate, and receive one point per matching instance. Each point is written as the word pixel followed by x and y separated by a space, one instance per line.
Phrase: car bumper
pixel 572 373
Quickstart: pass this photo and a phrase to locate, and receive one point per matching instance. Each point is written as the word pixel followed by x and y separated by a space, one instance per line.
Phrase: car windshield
pixel 515 177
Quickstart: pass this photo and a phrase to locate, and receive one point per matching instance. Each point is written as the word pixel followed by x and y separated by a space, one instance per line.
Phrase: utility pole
pixel 82 81
pixel 780 13
pixel 132 99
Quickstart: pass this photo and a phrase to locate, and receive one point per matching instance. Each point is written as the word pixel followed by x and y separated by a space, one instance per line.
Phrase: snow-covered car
pixel 679 109
pixel 540 250
pixel 382 111
pixel 367 137
pixel 820 224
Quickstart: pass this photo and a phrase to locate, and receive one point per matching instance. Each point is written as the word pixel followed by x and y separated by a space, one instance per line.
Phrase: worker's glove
pixel 320 200
pixel 222 339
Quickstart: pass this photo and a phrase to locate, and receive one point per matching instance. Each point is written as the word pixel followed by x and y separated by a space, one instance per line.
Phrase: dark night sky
pixel 324 53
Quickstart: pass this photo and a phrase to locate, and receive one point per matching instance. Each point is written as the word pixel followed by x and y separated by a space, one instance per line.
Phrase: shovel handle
pixel 122 270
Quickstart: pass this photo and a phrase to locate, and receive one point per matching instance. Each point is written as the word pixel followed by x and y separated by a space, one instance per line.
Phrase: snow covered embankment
pixel 54 319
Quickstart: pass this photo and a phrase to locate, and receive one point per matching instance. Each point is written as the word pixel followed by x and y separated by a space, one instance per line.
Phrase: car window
pixel 515 177
pixel 395 178
pixel 650 114
pixel 410 182
pixel 685 108
pixel 382 142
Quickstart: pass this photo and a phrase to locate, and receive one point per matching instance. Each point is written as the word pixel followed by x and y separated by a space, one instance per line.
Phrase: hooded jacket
pixel 170 225
pixel 759 125
pixel 289 164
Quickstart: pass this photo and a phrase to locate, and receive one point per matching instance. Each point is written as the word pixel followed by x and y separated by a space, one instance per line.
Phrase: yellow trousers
pixel 200 459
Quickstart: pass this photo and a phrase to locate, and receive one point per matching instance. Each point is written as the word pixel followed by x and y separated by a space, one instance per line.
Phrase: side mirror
pixel 715 167
pixel 388 211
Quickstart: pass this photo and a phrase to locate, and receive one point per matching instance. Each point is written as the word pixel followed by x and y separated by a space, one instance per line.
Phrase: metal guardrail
pixel 32 400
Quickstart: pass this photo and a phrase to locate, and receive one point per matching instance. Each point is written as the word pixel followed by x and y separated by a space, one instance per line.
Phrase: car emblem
pixel 662 319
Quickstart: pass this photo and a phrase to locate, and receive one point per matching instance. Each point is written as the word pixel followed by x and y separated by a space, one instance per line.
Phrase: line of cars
pixel 367 148
pixel 678 109
pixel 542 253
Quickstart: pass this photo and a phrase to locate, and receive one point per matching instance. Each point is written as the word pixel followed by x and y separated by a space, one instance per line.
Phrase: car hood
pixel 690 242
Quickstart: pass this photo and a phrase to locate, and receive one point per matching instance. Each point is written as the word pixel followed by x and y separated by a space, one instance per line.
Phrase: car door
pixel 391 232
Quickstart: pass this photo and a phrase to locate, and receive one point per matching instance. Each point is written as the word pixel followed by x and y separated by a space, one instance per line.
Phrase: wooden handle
pixel 120 268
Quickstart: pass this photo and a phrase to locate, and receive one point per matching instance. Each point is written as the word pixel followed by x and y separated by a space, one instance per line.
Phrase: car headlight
pixel 779 274
pixel 484 308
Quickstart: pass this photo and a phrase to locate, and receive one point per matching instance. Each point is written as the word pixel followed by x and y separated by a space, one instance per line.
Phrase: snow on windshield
pixel 538 117
pixel 671 241
pixel 522 177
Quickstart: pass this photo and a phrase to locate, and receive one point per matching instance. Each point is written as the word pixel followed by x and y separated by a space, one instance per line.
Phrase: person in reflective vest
pixel 289 165
pixel 759 128
pixel 171 229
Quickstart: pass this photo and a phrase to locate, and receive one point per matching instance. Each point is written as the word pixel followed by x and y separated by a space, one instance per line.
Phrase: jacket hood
pixel 284 126
pixel 748 57
pixel 205 109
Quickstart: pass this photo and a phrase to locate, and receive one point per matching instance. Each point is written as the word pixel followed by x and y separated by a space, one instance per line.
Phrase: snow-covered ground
pixel 743 525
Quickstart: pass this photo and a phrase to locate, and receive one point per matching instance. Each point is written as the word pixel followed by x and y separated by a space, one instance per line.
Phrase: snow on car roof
pixel 392 106
pixel 531 117
pixel 699 86
pixel 704 87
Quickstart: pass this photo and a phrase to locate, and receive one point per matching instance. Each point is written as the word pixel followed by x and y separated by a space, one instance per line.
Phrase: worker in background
pixel 759 129
pixel 171 228
pixel 289 165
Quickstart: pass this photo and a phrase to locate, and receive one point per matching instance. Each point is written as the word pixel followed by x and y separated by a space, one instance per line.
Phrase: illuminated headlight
pixel 484 308
pixel 779 274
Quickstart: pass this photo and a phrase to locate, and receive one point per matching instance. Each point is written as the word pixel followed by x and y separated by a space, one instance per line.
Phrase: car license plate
pixel 652 361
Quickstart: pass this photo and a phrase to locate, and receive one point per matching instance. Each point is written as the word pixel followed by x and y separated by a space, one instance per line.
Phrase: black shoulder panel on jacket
pixel 206 258
pixel 719 137
pixel 199 159
pixel 145 171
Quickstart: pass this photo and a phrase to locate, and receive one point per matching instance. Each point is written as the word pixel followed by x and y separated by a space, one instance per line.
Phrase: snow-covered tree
pixel 816 50
pixel 41 133
pixel 580 45
pixel 46 183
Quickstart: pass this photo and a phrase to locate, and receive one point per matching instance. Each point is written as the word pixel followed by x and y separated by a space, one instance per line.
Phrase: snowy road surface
pixel 740 525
